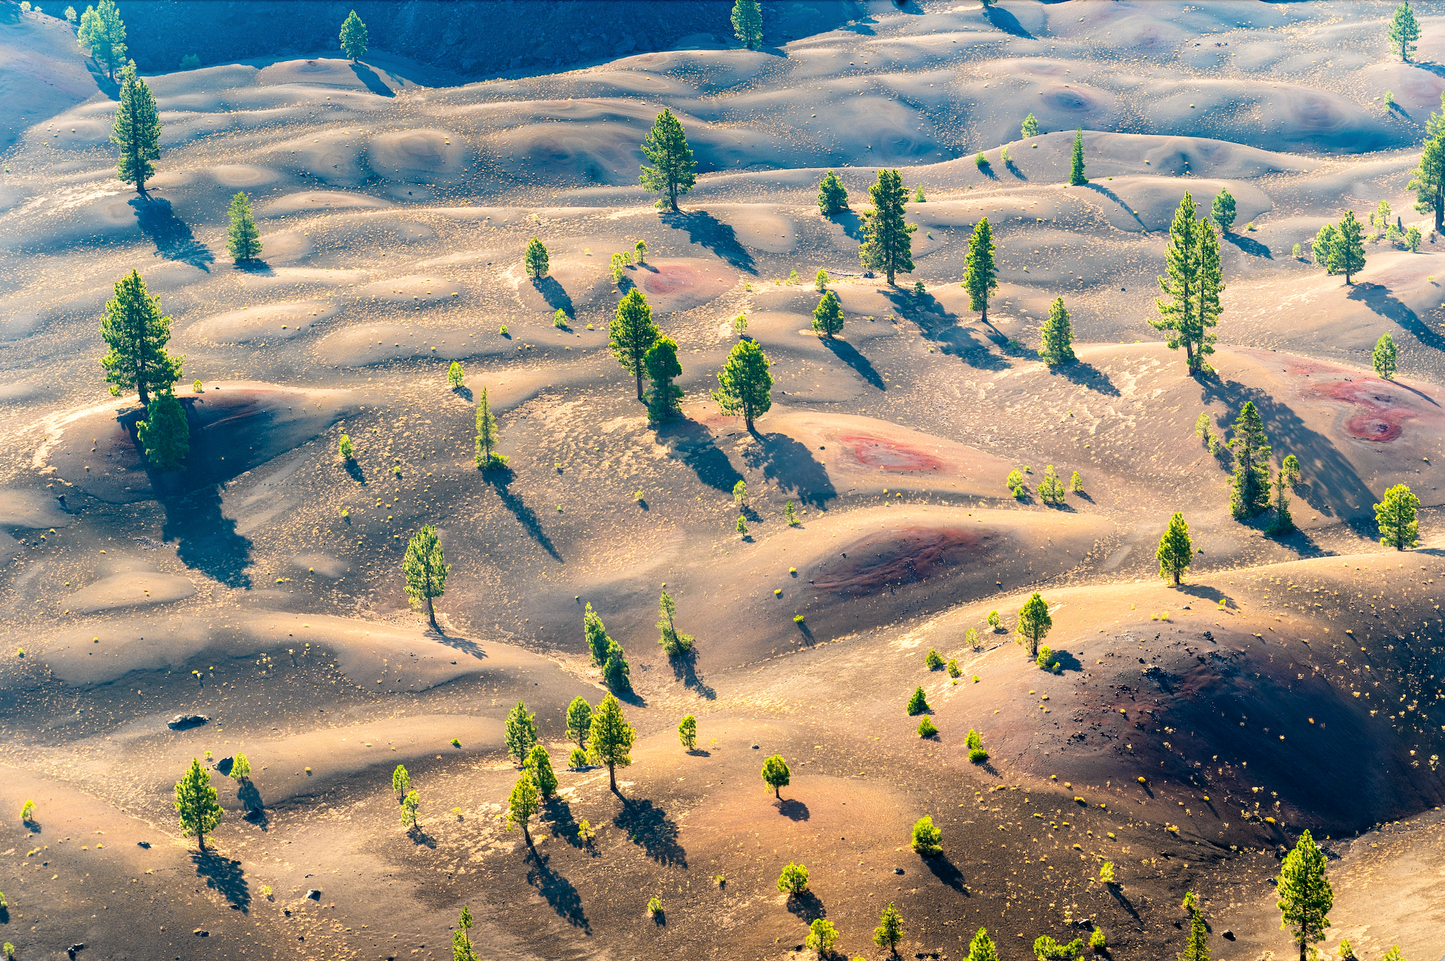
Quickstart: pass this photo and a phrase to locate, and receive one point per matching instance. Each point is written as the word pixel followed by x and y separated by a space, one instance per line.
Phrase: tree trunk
pixel 777 792
pixel 612 775
pixel 432 615
pixel 1440 208
pixel 639 381
pixel 1176 578
pixel 201 840
pixel 983 314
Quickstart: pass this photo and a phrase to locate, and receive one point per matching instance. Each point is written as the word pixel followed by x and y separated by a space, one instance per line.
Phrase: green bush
pixel 918 703
pixel 954 670
pixel 1097 941
pixel 454 375
pixel 577 760
pixel 559 319
pixel 654 906
pixel 933 660
pixel 974 743
pixel 794 879
pixel 926 727
pixel 822 935
pixel 927 838
pixel 1015 484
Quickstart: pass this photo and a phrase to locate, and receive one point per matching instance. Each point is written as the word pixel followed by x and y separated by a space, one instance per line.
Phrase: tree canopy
pixel 887 238
pixel 1076 161
pixel 353 37
pixel 1192 284
pixel 1305 895
pixel 1396 518
pixel 776 774
pixel 632 333
pixel 980 273
pixel 1034 623
pixel 1404 30
pixel 102 36
pixel 137 131
pixel 243 240
pixel 164 434
pixel 744 384
pixel 610 739
pixel 425 569
pixel 1249 494
pixel 673 170
pixel 662 366
pixel 832 195
pixel 828 315
pixel 1346 254
pixel 1056 338
pixel 748 23
pixel 196 805
pixel 1176 551
pixel 136 333
pixel 520 733
pixel 535 260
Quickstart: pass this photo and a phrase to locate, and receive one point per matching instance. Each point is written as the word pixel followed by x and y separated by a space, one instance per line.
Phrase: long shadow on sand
pixel 557 890
pixel 171 235
pixel 792 466
pixel 501 479
pixel 1322 463
pixel 684 668
pixel 707 231
pixel 372 80
pixel 1087 375
pixel 1249 245
pixel 793 809
pixel 851 223
pixel 650 828
pixel 555 295
pixel 936 325
pixel 1100 188
pixel 849 355
pixel 806 907
pixel 1378 298
pixel 946 871
pixel 1005 21
pixel 206 540
pixel 224 876
pixel 558 813
pixel 692 443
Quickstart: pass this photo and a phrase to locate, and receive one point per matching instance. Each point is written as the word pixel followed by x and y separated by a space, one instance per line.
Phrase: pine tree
pixel 744 384
pixel 241 768
pixel 917 703
pixel 1076 161
pixel 793 879
pixel 102 36
pixel 1305 896
pixel 828 315
pixel 890 929
pixel 1283 522
pixel 673 642
pixel 596 633
pixel 535 259
pixel 1250 491
pixel 462 938
pixel 1222 210
pixel 1347 252
pixel 832 195
pixel 1034 623
pixel 1210 286
pixel 426 571
pixel 776 774
pixel 887 239
pixel 353 37
pixel 243 240
pixel 487 435
pixel 137 333
pixel 1056 339
pixel 632 334
pixel 539 763
pixel 611 737
pixel 1428 178
pixel 748 23
pixel 409 806
pixel 1030 127
pixel 196 804
pixel 1395 515
pixel 1193 283
pixel 1384 357
pixel 980 274
pixel 687 732
pixel 579 720
pixel 1176 551
pixel 673 170
pixel 663 396
pixel 137 131
pixel 615 670
pixel 981 948
pixel 455 375
pixel 1404 30
pixel 525 801
pixel 164 434
pixel 1324 242
pixel 401 781
pixel 520 733
pixel 927 838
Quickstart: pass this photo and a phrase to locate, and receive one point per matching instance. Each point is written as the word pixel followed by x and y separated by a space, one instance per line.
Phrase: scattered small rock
pixel 1227 934
pixel 1085 923
pixel 182 722
pixel 313 895
pixel 897 870
pixel 143 844
pixel 201 933
pixel 225 764
pixel 755 747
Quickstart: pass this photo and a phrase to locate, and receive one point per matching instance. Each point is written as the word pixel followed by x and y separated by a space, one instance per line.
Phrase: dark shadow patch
pixel 465 645
pixel 1101 189
pixel 692 443
pixel 419 836
pixel 224 876
pixel 986 169
pixel 1086 375
pixel 254 266
pixel 684 668
pixel 1067 661
pixel 500 479
pixel 372 80
pixel 946 871
pixel 707 231
pixel 1378 298
pixel 557 891
pixel 206 539
pixel 247 794
pixel 1124 902
pixel 849 355
pixel 465 393
pixel 650 828
pixel 792 467
pixel 353 470
pixel 943 330
pixel 1204 592
pixel 851 223
pixel 806 907
pixel 793 809
pixel 1249 245
pixel 171 235
pixel 558 813
pixel 1013 169
pixel 1001 19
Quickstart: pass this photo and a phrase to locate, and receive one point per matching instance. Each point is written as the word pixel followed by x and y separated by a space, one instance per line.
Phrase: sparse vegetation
pixel 196 805
pixel 1051 489
pixel 1176 550
pixel 673 170
pixel 828 315
pixel 832 195
pixel 917 702
pixel 1030 127
pixel 520 732
pixel 776 774
pixel 579 721
pixel 426 570
pixel 744 384
pixel 539 765
pixel 454 375
pixel 822 935
pixel 927 839
pixel 1056 344
pixel 793 880
pixel 1384 357
pixel 1249 492
pixel 1076 161
pixel 354 38
pixel 980 273
pixel 1305 895
pixel 674 644
pixel 890 929
pixel 687 733
pixel 243 240
pixel 932 660
pixel 1395 516
pixel 1034 623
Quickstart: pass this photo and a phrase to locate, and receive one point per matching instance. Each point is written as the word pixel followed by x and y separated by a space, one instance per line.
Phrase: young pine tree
pixel 832 195
pixel 887 238
pixel 164 434
pixel 673 170
pixel 674 643
pixel 137 131
pixel 535 259
pixel 1428 177
pixel 1404 31
pixel 539 764
pixel 890 929
pixel 1305 896
pixel 353 37
pixel 1030 127
pixel 776 774
pixel 1034 623
pixel 981 948
pixel 462 949
pixel 610 739
pixel 243 240
pixel 1076 161
pixel 748 23
pixel 1384 357
pixel 632 334
pixel 136 333
pixel 426 570
pixel 664 398
pixel 487 435
pixel 1347 251
pixel 579 720
pixel 455 375
pixel 828 315
pixel 196 805
pixel 1250 491
pixel 687 733
pixel 520 733
pixel 927 838
pixel 596 633
pixel 980 274
pixel 102 36
pixel 1176 551
pixel 401 781
pixel 615 670
pixel 526 800
pixel 409 806
pixel 1222 210
pixel 744 384
pixel 1396 518
pixel 1056 339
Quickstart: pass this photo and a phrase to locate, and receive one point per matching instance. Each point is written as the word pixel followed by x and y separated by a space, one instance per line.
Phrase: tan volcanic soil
pixel 1290 683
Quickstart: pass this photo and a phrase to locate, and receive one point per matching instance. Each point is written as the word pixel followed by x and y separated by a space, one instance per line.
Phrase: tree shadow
pixel 1378 298
pixel 851 223
pixel 1067 661
pixel 693 444
pixel 684 668
pixel 650 828
pixel 224 876
pixel 1249 245
pixel 849 355
pixel 792 467
pixel 247 794
pixel 946 871
pixel 353 470
pixel 171 235
pixel 1086 375
pixel 1301 543
pixel 463 644
pixel 1101 189
pixel 558 813
pixel 254 266
pixel 707 231
pixel 557 891
pixel 1001 19
pixel 951 338
pixel 792 809
pixel 372 80
pixel 464 392
pixel 806 907
pixel 1124 902
pixel 420 837
pixel 500 478
pixel 1013 169
pixel 206 539
pixel 555 295
pixel 1204 592
pixel 806 631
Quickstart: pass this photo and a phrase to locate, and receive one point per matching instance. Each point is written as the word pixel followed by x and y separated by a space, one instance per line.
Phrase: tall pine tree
pixel 1196 945
pixel 136 333
pixel 164 434
pixel 487 435
pixel 425 568
pixel 609 741
pixel 137 131
pixel 748 23
pixel 632 334
pixel 744 384
pixel 1347 251
pixel 980 273
pixel 1404 31
pixel 102 35
pixel 1176 551
pixel 673 171
pixel 832 195
pixel 1305 895
pixel 243 240
pixel 1056 339
pixel 1076 161
pixel 1193 282
pixel 196 806
pixel 662 367
pixel 1428 180
pixel 887 238
pixel 1249 494
pixel 354 37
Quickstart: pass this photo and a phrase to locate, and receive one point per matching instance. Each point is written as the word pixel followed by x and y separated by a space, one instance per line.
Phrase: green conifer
pixel 243 240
